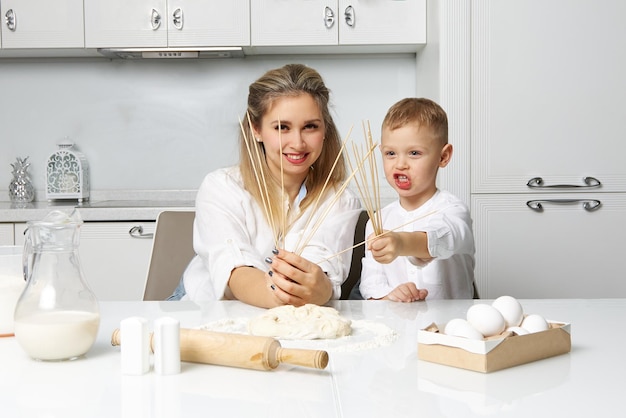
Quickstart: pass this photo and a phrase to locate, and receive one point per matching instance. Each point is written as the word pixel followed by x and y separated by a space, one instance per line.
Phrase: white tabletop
pixel 362 380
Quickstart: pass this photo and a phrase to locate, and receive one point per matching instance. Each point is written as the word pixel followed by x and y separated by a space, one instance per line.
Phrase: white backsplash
pixel 162 125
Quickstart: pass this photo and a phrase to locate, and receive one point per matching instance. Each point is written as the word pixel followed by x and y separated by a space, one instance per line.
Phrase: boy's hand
pixel 406 292
pixel 385 248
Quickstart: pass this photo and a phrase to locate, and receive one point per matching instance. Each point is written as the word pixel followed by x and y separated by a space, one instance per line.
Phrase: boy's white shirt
pixel 450 274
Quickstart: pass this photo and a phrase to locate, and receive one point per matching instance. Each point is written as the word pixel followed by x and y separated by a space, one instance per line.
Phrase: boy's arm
pixel 414 244
pixel 390 246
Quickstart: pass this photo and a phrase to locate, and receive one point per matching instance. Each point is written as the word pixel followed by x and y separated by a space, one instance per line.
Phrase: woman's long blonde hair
pixel 290 80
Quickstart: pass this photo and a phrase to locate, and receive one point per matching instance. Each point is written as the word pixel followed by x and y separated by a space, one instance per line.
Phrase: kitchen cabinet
pixel 6 234
pixel 548 103
pixel 115 263
pixel 338 23
pixel 564 251
pixel 166 23
pixel 42 24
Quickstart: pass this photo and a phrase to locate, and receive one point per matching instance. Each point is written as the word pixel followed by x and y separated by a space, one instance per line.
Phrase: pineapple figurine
pixel 21 188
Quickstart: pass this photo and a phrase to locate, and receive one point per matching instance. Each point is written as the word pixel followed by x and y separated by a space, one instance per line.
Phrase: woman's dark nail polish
pixel 272 286
pixel 268 260
pixel 271 273
pixel 275 251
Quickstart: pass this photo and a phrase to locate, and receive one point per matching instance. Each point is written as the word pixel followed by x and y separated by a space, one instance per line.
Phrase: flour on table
pixel 307 322
pixel 364 335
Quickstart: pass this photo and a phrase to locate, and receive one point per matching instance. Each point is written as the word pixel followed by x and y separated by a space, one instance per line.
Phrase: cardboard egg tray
pixel 494 353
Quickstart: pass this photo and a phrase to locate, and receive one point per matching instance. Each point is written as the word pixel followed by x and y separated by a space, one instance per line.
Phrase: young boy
pixel 434 255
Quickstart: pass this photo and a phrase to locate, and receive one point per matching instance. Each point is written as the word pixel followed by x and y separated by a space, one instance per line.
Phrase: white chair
pixel 172 250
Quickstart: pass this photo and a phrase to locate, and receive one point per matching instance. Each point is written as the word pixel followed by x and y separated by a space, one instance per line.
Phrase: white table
pixel 386 381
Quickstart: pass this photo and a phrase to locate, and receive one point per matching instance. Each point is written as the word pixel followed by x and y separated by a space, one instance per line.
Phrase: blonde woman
pixel 276 253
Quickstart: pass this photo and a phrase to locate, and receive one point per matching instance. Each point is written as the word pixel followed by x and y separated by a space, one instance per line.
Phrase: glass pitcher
pixel 57 316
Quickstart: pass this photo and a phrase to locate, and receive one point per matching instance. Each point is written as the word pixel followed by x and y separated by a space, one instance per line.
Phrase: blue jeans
pixel 179 292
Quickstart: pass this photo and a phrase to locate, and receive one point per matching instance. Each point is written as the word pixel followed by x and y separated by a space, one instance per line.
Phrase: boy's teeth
pixel 403 178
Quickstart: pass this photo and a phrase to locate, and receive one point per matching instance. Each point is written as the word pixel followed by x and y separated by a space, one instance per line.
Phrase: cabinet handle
pixel 155 19
pixel 349 16
pixel 177 18
pixel 329 17
pixel 11 20
pixel 588 204
pixel 537 183
pixel 137 232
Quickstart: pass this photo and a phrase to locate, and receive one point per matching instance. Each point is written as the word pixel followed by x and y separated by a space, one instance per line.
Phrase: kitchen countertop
pixel 95 210
pixel 361 380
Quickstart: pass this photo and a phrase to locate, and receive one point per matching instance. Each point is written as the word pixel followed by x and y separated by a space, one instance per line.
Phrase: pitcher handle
pixel 27 268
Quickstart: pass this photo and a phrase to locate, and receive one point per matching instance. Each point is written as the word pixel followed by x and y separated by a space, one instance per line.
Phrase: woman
pixel 266 231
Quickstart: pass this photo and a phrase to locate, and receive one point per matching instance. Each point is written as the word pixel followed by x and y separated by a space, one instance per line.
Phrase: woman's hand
pixel 297 281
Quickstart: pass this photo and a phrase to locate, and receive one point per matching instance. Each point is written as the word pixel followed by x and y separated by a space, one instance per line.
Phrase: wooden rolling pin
pixel 238 350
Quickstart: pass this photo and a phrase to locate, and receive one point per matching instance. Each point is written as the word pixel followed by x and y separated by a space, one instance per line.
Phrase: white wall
pixel 162 125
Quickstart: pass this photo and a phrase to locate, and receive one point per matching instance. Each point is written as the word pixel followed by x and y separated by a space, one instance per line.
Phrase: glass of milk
pixel 11 285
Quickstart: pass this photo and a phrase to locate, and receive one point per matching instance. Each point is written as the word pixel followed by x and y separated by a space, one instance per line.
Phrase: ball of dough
pixel 307 322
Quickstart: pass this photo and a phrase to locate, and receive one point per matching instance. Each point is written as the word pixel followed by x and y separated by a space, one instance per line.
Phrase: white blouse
pixel 450 275
pixel 230 231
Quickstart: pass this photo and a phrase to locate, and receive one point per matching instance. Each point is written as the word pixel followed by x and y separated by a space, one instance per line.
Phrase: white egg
pixel 459 327
pixel 510 309
pixel 486 319
pixel 518 330
pixel 535 323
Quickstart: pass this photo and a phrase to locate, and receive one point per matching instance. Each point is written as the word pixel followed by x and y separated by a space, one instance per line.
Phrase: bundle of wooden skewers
pixel 363 170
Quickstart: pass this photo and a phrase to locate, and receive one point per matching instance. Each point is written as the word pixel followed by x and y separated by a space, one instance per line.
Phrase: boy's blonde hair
pixel 423 112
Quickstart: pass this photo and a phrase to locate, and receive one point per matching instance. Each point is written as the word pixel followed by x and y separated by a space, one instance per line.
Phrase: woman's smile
pixel 296 158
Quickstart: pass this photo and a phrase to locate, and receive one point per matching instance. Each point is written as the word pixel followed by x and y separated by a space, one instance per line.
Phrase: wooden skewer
pixel 256 166
pixel 329 207
pixel 259 173
pixel 370 199
pixel 283 214
pixel 299 245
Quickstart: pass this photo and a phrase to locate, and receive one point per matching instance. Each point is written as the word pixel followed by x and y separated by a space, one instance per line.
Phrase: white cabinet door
pixel 162 23
pixel 115 264
pixel 373 22
pixel 338 22
pixel 548 91
pixel 125 24
pixel 42 24
pixel 563 251
pixel 294 22
pixel 208 23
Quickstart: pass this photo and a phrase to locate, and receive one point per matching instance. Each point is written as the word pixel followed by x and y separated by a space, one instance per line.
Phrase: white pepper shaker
pixel 136 348
pixel 166 345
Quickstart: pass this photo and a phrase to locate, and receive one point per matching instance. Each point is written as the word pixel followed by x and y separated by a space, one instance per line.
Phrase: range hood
pixel 172 53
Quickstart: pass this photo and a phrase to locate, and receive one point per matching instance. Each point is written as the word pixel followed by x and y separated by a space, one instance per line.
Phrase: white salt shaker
pixel 166 346
pixel 136 348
